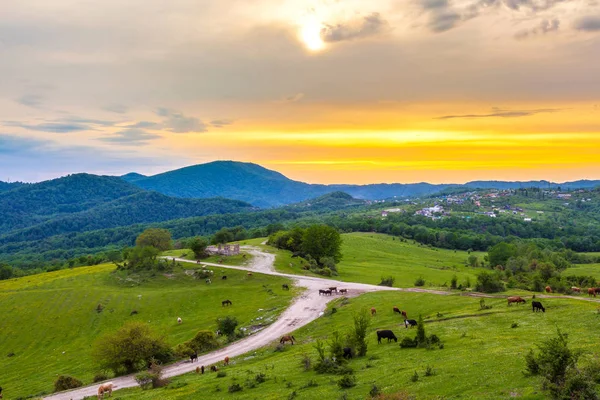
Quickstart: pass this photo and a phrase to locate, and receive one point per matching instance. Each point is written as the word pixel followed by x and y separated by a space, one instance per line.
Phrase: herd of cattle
pixel 591 291
pixel 331 290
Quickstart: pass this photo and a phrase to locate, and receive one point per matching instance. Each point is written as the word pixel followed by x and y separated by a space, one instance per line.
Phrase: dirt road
pixel 303 310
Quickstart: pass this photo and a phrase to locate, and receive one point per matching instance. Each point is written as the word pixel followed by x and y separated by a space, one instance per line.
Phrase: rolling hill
pixel 6 186
pixel 266 188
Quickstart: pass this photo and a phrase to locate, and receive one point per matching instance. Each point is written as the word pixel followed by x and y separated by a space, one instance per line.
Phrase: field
pixel 584 270
pixel 49 321
pixel 482 356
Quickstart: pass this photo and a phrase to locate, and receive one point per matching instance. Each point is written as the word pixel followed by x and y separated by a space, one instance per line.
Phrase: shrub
pixel 152 378
pixel 100 377
pixel 453 282
pixel 387 281
pixel 408 343
pixel 336 348
pixel 65 382
pixel 310 384
pixel 347 381
pixel 420 281
pixel 260 377
pixel 358 335
pixel 415 377
pixel 227 325
pixel 203 341
pixel 221 374
pixel 421 338
pixel 306 362
pixel 429 371
pixel 514 325
pixel 235 388
pixel 374 392
pixel 489 283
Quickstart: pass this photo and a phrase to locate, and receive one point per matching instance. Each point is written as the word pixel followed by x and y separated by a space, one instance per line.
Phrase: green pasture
pixel 583 270
pixel 482 358
pixel 49 321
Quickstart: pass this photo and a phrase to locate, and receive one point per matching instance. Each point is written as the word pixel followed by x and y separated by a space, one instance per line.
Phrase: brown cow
pixel 576 289
pixel 548 289
pixel 592 291
pixel 249 273
pixel 226 361
pixel 373 311
pixel 214 368
pixel 287 338
pixel 515 299
pixel 397 310
pixel 105 388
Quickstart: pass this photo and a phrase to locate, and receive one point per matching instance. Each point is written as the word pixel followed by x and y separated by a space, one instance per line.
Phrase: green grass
pixel 50 321
pixel 482 356
pixel 369 256
pixel 584 270
pixel 188 254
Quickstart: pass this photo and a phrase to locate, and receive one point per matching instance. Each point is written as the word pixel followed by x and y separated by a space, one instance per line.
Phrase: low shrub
pixel 221 374
pixel 415 377
pixel 387 281
pixel 408 343
pixel 310 384
pixel 429 371
pixel 347 381
pixel 65 382
pixel 236 387
pixel 374 392
pixel 100 377
pixel 420 281
pixel 306 362
pixel 260 377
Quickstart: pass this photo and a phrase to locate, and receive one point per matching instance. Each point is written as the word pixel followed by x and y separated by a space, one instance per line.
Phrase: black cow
pixel 410 322
pixel 193 357
pixel 537 306
pixel 285 286
pixel 224 277
pixel 386 334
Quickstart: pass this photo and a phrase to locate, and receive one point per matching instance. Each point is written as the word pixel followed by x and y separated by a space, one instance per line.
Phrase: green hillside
pixel 482 358
pixel 49 321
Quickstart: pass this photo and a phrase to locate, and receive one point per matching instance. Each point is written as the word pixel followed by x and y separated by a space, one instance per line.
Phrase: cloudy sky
pixel 328 91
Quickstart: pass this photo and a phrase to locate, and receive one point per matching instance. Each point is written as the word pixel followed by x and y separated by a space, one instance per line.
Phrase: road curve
pixel 303 310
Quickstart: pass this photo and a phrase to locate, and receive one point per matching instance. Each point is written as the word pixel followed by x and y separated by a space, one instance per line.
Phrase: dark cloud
pixel 30 100
pixel 219 123
pixel 116 108
pixel 130 137
pixel 543 28
pixel 500 113
pixel 371 25
pixel 441 21
pixel 433 4
pixel 589 23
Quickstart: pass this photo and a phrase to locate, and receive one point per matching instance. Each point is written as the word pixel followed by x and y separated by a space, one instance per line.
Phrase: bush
pixel 358 336
pixel 514 325
pixel 152 378
pixel 227 325
pixel 65 382
pixel 306 362
pixel 420 281
pixel 100 377
pixel 415 377
pixel 489 283
pixel 235 388
pixel 374 392
pixel 260 377
pixel 131 348
pixel 421 338
pixel 453 282
pixel 408 343
pixel 387 281
pixel 221 374
pixel 203 341
pixel 310 384
pixel 429 371
pixel 347 381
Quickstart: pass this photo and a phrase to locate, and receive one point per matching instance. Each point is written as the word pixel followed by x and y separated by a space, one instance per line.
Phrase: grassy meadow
pixel 584 270
pixel 482 356
pixel 49 321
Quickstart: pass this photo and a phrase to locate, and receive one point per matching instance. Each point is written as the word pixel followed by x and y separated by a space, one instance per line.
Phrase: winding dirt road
pixel 305 309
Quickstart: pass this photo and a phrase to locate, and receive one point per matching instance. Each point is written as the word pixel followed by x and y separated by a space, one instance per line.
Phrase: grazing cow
pixel 249 274
pixel 226 361
pixel 575 289
pixel 344 291
pixel 397 310
pixel 592 291
pixel 515 299
pixel 288 338
pixel 226 303
pixel 105 388
pixel 537 306
pixel 333 289
pixel 197 370
pixel 548 289
pixel 194 356
pixel 410 322
pixel 386 334
pixel 133 312
pixel 214 368
pixel 373 311
pixel 208 281
pixel 327 292
pixel 285 286
pixel 179 321
pixel 224 277
pixel 202 370
pixel 347 352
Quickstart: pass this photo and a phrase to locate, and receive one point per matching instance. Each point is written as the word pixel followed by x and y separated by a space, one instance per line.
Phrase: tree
pixel 198 246
pixel 131 348
pixel 140 257
pixel 227 326
pixel 473 261
pixel 224 235
pixel 421 338
pixel 500 253
pixel 489 283
pixel 322 241
pixel 155 237
pixel 362 320
pixel 6 272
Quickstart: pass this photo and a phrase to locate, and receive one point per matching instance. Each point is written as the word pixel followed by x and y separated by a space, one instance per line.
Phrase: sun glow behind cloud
pixel 310 34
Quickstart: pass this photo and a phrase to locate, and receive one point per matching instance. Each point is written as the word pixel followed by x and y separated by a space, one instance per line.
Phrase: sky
pixel 324 91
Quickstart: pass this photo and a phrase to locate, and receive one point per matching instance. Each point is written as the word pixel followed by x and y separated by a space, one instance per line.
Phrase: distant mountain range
pixel 266 188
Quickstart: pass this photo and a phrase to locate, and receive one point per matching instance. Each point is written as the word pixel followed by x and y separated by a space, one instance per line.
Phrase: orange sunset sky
pixel 328 91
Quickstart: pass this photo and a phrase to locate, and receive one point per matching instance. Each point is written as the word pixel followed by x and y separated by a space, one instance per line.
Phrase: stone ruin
pixel 224 250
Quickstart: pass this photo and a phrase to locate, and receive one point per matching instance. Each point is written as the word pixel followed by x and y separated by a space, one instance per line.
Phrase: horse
pixel 321 291
pixel 226 303
pixel 179 321
pixel 226 361
pixel 285 286
pixel 373 311
pixel 548 289
pixel 288 338
pixel 105 387
pixel 327 292
pixel 194 356
pixel 333 289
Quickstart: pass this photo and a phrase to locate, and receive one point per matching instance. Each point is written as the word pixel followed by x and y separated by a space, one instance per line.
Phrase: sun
pixel 310 34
